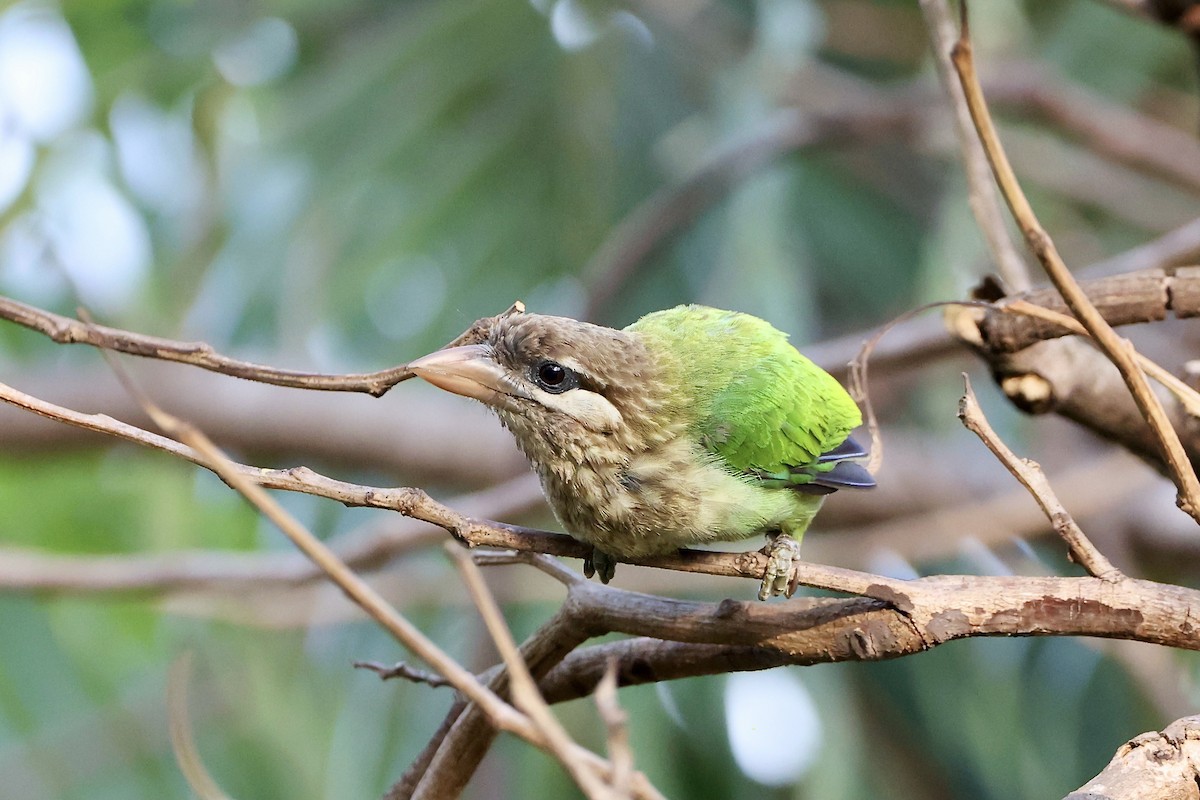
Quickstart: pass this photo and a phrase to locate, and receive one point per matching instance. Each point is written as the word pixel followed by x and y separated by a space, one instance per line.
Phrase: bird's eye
pixel 554 377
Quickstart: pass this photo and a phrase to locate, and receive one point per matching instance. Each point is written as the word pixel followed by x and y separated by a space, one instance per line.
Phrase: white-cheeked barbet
pixel 691 425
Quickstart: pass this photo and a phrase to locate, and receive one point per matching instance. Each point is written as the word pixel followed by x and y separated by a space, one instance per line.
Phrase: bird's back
pixel 751 397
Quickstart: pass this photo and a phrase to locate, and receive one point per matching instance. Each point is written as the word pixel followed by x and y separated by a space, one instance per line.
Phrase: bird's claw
pixel 600 563
pixel 782 553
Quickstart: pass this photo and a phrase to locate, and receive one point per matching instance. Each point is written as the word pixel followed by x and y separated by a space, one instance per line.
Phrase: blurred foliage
pixel 340 186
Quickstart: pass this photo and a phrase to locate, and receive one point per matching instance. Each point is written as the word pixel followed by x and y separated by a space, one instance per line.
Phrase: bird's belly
pixel 656 505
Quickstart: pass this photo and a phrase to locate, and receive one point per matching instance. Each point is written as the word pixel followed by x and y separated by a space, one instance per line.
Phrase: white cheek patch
pixel 589 409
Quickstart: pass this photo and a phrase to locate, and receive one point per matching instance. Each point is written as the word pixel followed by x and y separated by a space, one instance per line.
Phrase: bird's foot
pixel 600 563
pixel 782 553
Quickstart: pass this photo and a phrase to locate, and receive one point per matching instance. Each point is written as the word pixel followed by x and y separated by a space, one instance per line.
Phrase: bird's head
pixel 561 386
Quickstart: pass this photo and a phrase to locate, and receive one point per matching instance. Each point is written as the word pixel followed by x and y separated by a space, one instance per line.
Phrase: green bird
pixel 691 425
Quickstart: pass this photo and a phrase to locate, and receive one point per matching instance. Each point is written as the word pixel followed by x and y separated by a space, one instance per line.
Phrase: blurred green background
pixel 344 186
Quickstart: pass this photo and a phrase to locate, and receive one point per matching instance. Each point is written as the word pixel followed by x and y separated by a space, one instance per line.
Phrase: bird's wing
pixel 786 421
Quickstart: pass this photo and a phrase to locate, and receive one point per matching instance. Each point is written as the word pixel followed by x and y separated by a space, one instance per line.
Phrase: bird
pixel 692 425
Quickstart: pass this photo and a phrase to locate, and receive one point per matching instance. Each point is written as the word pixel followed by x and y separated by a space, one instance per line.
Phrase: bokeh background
pixel 345 186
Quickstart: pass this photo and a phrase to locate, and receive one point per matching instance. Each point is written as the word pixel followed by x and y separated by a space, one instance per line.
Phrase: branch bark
pixel 1041 373
pixel 684 638
pixel 1161 765
pixel 66 330
pixel 1120 351
pixel 1136 297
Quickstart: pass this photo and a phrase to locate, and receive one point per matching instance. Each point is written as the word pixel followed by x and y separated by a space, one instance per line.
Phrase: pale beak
pixel 470 370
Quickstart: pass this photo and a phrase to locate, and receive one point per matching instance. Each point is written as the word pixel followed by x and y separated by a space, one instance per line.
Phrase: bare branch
pixel 452 755
pixel 1119 350
pixel 981 191
pixel 684 638
pixel 1029 474
pixel 1152 766
pixel 502 714
pixel 65 330
pixel 616 726
pixel 1187 397
pixel 404 671
pixel 1127 299
pixel 524 688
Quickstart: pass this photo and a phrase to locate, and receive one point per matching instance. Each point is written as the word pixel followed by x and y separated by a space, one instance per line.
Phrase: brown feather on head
pixel 550 378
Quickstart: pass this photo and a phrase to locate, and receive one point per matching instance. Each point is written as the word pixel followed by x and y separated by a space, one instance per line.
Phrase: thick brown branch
pixel 1154 766
pixel 1073 379
pixel 1135 297
pixel 683 638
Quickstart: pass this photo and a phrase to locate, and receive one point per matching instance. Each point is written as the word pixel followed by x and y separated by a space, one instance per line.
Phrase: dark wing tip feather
pixel 846 451
pixel 846 475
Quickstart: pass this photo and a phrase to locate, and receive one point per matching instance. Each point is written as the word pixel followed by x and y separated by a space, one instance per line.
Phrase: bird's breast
pixel 659 501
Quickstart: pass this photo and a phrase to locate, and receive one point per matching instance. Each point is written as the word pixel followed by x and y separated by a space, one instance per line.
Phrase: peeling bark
pixel 1154 766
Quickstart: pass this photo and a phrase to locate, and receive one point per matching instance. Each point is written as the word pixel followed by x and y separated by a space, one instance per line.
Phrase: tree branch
pixel 1119 350
pixel 1029 474
pixel 66 330
pixel 1131 298
pixel 1154 766
pixel 981 191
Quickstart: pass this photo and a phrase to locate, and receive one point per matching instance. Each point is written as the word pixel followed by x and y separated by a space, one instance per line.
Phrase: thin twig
pixel 1029 474
pixel 183 740
pixel 452 755
pixel 859 379
pixel 1118 349
pixel 65 330
pixel 503 715
pixel 544 563
pixel 981 191
pixel 404 671
pixel 500 713
pixel 524 688
pixel 616 724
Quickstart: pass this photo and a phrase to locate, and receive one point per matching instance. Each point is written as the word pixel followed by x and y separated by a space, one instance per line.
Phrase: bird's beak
pixel 472 371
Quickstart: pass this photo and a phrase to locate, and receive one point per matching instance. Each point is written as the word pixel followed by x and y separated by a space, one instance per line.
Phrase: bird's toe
pixel 600 563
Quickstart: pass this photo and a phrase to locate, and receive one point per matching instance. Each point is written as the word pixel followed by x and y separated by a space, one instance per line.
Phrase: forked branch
pixel 1119 350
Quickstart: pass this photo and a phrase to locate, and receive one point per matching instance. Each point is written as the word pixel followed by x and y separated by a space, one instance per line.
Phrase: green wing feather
pixel 757 403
